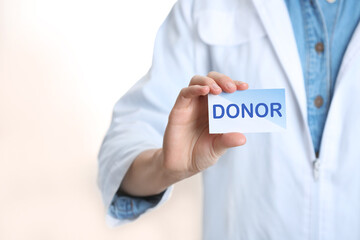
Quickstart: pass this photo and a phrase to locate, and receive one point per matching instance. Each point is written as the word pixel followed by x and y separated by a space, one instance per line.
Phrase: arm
pixel 147 168
pixel 137 153
pixel 140 116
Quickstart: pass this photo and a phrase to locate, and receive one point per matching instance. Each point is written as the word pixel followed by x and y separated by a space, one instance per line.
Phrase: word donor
pixel 233 110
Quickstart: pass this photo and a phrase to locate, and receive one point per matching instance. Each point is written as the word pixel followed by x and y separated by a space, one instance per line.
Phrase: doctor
pixel 301 184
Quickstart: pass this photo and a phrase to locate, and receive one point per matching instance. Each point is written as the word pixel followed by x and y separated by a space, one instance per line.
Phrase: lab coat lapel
pixel 352 50
pixel 276 21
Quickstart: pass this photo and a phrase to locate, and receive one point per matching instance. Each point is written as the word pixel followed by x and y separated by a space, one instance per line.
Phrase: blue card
pixel 252 110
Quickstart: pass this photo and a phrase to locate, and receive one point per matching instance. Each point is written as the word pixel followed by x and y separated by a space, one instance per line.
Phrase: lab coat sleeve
pixel 140 116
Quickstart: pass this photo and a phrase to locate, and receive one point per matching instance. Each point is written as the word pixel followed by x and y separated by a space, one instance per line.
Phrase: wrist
pixel 169 175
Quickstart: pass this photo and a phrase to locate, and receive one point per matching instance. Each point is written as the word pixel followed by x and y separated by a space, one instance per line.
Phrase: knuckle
pixel 238 82
pixel 209 80
pixel 183 91
pixel 194 78
pixel 196 167
pixel 214 151
pixel 174 115
pixel 211 73
pixel 201 80
pixel 214 154
pixel 224 79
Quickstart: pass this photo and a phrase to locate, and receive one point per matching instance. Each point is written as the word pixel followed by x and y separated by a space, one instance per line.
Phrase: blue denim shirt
pixel 129 207
pixel 322 30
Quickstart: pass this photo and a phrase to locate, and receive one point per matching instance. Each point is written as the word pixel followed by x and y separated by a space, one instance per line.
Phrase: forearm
pixel 147 175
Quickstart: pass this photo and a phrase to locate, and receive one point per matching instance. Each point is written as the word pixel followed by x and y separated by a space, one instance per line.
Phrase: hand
pixel 188 148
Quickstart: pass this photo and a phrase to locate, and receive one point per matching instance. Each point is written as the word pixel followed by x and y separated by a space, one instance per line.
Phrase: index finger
pixel 226 83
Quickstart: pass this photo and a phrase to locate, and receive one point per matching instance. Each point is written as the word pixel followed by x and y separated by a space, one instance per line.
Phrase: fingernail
pixel 230 85
pixel 244 85
pixel 215 86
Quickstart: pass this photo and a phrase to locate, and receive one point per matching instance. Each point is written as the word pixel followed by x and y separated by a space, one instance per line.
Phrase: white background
pixel 63 65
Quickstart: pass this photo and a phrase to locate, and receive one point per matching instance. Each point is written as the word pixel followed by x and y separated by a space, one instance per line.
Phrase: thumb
pixel 224 141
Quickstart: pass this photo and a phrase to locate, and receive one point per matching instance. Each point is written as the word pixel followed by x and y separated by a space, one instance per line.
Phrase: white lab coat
pixel 270 188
